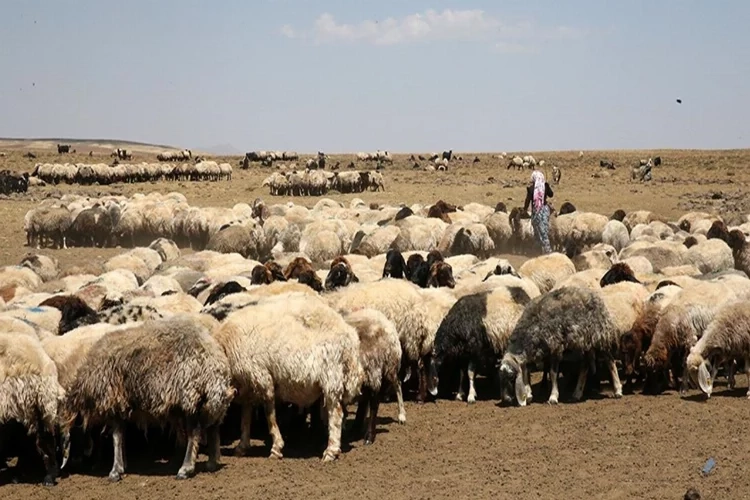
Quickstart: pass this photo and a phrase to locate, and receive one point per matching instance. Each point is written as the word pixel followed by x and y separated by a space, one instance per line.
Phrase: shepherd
pixel 537 193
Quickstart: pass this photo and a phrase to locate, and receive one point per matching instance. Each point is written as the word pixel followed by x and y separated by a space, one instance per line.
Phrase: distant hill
pixel 96 145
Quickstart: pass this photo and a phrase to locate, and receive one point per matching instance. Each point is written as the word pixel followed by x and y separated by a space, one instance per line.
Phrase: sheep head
pixel 700 368
pixel 412 264
pixel 441 274
pixel 394 264
pixel 511 377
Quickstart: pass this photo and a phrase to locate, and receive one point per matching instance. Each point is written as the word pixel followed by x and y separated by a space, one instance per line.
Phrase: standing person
pixel 537 193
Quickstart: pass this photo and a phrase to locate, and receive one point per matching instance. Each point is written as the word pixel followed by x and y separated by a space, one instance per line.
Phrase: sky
pixel 362 75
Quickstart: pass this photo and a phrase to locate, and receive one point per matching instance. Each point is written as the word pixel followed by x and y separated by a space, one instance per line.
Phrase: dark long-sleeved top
pixel 530 194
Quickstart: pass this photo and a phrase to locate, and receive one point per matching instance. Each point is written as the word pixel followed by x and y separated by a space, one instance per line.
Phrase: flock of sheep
pixel 318 182
pixel 102 174
pixel 321 307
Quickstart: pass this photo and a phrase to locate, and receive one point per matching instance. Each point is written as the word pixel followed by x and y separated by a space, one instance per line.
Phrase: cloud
pixel 288 31
pixel 457 25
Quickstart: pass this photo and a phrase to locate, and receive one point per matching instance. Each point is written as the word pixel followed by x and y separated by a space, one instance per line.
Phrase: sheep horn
pixel 65 448
pixel 704 379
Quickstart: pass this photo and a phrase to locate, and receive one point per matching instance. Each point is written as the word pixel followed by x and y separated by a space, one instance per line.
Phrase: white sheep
pixel 292 348
pixel 30 393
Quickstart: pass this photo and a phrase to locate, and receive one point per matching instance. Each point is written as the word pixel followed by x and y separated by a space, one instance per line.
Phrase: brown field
pixel 637 447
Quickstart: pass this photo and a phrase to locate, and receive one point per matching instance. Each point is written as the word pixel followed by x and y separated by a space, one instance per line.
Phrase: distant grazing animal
pixel 63 148
pixel 556 175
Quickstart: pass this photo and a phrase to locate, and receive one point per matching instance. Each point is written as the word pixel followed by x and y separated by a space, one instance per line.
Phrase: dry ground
pixel 638 447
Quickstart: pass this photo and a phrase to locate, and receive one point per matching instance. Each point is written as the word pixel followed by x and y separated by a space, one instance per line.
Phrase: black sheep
pixel 473 335
pixel 222 290
pixel 618 273
pixel 394 264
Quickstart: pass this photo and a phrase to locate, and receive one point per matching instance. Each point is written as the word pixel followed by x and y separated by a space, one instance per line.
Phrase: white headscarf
pixel 537 177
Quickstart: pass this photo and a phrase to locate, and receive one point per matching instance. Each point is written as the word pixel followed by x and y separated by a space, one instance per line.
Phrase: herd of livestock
pixel 103 174
pixel 295 311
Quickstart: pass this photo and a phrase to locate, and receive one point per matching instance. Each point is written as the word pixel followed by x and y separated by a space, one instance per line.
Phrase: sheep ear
pixel 520 388
pixel 704 379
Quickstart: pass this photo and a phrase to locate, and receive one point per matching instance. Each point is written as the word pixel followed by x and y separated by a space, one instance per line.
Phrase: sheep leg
pixel 374 404
pixel 362 407
pixel 730 375
pixel 273 428
pixel 581 385
pixel 684 379
pixel 747 372
pixel 45 445
pixel 191 452
pixel 245 424
pixel 554 368
pixel 400 400
pixel 470 371
pixel 118 467
pixel 335 416
pixel 527 383
pixel 616 384
pixel 214 448
pixel 422 395
pixel 460 393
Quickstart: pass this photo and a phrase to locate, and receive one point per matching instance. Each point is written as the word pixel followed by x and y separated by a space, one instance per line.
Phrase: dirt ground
pixel 637 447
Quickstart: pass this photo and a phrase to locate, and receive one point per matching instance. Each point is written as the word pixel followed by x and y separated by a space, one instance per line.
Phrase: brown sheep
pixel 260 275
pixel 169 371
pixel 435 212
pixel 718 230
pixel 441 274
pixel 310 278
pixel 277 272
pixel 297 266
pixel 445 207
pixel 500 207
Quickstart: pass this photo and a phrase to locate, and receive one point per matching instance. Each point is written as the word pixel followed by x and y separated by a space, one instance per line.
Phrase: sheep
pixel 170 371
pixel 167 249
pixel 474 334
pixel 74 312
pixel 30 394
pixel 340 274
pixel 246 240
pixel 547 270
pixel 46 267
pixel 318 355
pixel 522 238
pixel 568 320
pixel 740 250
pixel 395 266
pixel 20 276
pixel 420 271
pixel 499 229
pixel 711 256
pixel 615 233
pixel 635 342
pixel 682 323
pixel 404 305
pixel 661 254
pixel 380 357
pixel 46 318
pixel 602 256
pixel 727 337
